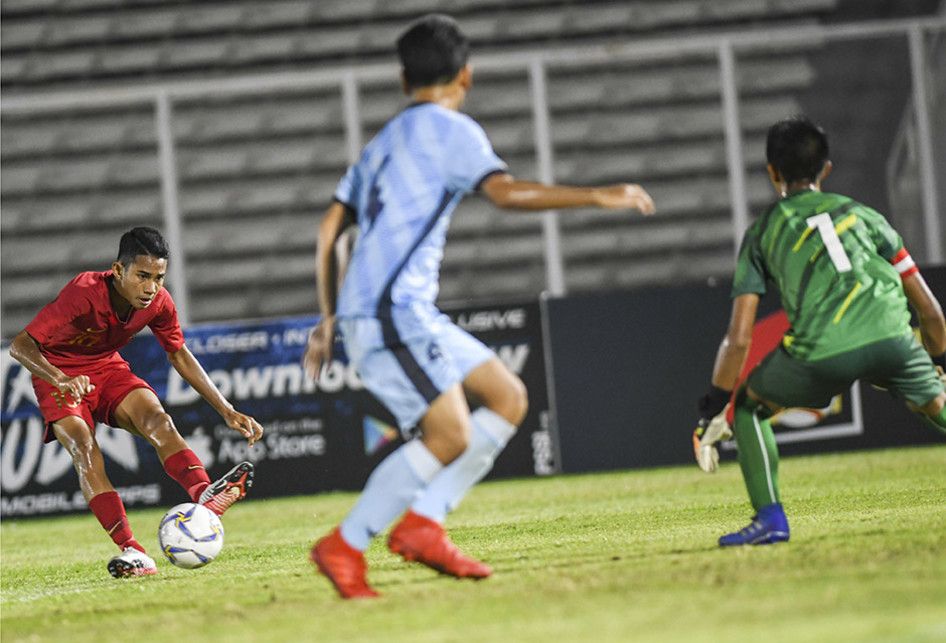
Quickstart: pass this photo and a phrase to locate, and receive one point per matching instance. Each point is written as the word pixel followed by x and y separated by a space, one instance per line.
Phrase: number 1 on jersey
pixel 831 240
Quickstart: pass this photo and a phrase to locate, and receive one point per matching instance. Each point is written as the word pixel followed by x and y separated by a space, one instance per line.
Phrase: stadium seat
pixel 274 14
pixel 151 23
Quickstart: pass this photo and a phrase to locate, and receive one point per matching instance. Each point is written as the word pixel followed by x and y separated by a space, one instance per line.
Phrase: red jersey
pixel 80 329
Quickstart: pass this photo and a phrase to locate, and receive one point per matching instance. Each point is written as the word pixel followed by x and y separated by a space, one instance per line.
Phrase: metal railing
pixel 911 151
pixel 725 46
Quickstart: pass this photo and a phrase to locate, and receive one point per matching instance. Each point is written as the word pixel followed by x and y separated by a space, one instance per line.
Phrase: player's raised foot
pixel 418 538
pixel 221 494
pixel 768 526
pixel 132 562
pixel 343 565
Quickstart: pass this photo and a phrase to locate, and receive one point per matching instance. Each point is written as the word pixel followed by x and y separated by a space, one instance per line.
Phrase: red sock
pixel 110 511
pixel 187 470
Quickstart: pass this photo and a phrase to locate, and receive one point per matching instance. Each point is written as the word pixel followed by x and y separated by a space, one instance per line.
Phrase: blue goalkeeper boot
pixel 768 526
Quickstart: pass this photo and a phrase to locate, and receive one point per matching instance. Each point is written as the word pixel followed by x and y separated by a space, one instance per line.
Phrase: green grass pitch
pixel 626 556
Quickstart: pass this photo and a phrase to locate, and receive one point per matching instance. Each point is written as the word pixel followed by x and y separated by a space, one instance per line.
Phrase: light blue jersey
pixel 403 190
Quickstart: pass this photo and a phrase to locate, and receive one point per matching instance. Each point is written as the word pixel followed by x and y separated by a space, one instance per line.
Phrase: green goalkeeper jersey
pixel 831 259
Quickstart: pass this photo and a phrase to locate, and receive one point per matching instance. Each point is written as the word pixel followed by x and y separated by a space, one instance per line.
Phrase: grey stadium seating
pixel 255 171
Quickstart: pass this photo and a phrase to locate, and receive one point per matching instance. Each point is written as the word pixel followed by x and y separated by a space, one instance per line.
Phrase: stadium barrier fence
pixel 350 82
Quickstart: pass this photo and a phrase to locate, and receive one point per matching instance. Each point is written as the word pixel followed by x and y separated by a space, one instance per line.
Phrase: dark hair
pixel 432 51
pixel 797 148
pixel 141 241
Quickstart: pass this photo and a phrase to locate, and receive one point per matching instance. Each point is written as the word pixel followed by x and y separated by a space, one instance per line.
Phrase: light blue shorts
pixel 409 360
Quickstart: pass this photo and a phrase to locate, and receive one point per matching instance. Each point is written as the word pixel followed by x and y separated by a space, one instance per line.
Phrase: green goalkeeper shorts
pixel 899 364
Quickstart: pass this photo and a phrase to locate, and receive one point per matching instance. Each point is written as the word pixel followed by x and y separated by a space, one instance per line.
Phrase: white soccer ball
pixel 190 535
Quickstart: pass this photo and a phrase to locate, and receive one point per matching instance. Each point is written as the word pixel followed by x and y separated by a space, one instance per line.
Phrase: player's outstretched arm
pixel 194 374
pixel 507 192
pixel 328 265
pixel 25 350
pixel 930 314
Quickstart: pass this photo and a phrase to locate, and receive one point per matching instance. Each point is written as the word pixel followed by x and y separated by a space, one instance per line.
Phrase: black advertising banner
pixel 321 434
pixel 628 367
pixel 515 332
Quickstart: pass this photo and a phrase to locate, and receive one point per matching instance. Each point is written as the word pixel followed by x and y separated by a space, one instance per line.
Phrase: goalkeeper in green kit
pixel 845 280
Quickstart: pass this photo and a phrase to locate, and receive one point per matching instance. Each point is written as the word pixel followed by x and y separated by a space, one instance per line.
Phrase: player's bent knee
pixel 159 427
pixel 457 441
pixel 445 448
pixel 79 443
pixel 81 448
pixel 86 458
pixel 522 402
pixel 448 442
pixel 519 402
pixel 512 403
pixel 160 422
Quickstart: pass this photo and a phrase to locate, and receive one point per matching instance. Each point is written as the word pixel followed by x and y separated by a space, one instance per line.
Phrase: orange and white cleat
pixel 221 494
pixel 132 562
pixel 418 538
pixel 343 565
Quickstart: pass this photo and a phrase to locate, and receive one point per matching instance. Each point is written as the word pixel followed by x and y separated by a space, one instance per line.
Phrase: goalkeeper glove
pixel 707 434
pixel 711 428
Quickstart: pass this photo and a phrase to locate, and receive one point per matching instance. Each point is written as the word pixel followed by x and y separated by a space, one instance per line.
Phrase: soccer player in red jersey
pixel 71 348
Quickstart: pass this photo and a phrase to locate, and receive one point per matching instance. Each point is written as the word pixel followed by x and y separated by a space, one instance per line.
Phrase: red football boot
pixel 421 539
pixel 220 495
pixel 343 565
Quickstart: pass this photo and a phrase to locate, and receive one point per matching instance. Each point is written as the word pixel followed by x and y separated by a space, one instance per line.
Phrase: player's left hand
pixel 244 424
pixel 711 428
pixel 707 434
pixel 625 195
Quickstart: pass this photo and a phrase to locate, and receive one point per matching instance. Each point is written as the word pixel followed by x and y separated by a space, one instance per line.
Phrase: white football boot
pixel 132 562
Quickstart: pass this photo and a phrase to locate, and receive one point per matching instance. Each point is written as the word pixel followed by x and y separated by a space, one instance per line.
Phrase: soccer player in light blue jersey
pixel 401 194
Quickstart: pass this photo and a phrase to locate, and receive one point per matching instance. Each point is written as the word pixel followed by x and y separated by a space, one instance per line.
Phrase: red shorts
pixel 112 383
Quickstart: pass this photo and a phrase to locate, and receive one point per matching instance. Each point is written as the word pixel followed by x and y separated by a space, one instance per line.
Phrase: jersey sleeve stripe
pixel 904 264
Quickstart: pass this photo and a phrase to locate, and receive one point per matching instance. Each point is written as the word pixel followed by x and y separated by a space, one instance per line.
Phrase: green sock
pixel 938 422
pixel 758 454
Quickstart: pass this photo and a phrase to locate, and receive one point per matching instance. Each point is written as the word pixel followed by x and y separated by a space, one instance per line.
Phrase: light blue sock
pixel 490 434
pixel 390 489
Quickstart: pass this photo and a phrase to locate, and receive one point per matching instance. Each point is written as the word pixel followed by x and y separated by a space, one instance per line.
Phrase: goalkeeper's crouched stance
pixel 758 452
pixel 845 280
